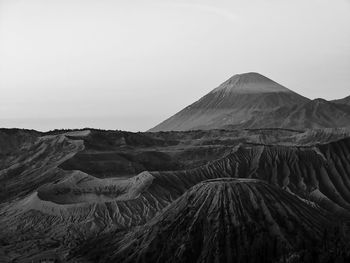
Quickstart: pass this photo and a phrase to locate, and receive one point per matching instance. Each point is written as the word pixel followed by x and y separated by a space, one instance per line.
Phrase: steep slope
pixel 34 164
pixel 345 101
pixel 317 172
pixel 46 207
pixel 80 206
pixel 77 208
pixel 222 220
pixel 318 113
pixel 13 139
pixel 236 102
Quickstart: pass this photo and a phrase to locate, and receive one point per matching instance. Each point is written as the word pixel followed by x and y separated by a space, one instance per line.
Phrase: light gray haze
pixel 131 64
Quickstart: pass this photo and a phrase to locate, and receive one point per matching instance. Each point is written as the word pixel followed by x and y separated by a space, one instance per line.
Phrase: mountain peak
pixel 250 82
pixel 250 77
pixel 248 100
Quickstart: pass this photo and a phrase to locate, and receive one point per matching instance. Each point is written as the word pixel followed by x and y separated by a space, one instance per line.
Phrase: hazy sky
pixel 131 64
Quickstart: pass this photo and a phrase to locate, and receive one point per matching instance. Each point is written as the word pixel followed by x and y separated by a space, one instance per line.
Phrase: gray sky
pixel 131 64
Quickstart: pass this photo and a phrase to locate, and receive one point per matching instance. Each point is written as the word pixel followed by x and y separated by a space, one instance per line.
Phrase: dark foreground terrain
pixel 258 195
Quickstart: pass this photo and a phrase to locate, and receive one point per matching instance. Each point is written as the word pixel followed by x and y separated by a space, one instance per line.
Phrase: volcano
pixel 253 101
pixel 62 189
pixel 241 101
pixel 220 220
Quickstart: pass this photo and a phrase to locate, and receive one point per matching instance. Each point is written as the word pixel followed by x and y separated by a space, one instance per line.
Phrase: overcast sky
pixel 131 64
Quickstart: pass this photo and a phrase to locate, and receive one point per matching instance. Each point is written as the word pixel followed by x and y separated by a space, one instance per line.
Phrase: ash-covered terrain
pixel 252 172
pixel 220 220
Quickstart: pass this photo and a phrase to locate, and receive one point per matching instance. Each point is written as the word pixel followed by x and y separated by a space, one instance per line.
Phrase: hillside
pixel 53 198
pixel 221 220
pixel 318 113
pixel 345 101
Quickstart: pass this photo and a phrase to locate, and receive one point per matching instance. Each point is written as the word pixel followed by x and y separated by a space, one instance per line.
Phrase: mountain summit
pixel 247 100
pixel 251 82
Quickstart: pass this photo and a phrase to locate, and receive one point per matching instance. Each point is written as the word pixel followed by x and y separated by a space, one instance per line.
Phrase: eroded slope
pixel 52 208
pixel 222 220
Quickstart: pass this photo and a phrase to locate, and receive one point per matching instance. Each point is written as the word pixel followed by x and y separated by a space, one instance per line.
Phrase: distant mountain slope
pixel 236 102
pixel 318 113
pixel 253 101
pixel 345 101
pixel 221 220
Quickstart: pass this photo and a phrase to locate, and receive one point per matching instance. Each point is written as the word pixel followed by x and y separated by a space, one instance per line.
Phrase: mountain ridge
pixel 345 101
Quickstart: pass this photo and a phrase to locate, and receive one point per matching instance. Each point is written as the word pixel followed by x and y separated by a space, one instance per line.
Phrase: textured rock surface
pixel 35 164
pixel 124 154
pixel 47 208
pixel 305 171
pixel 222 220
pixel 345 101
